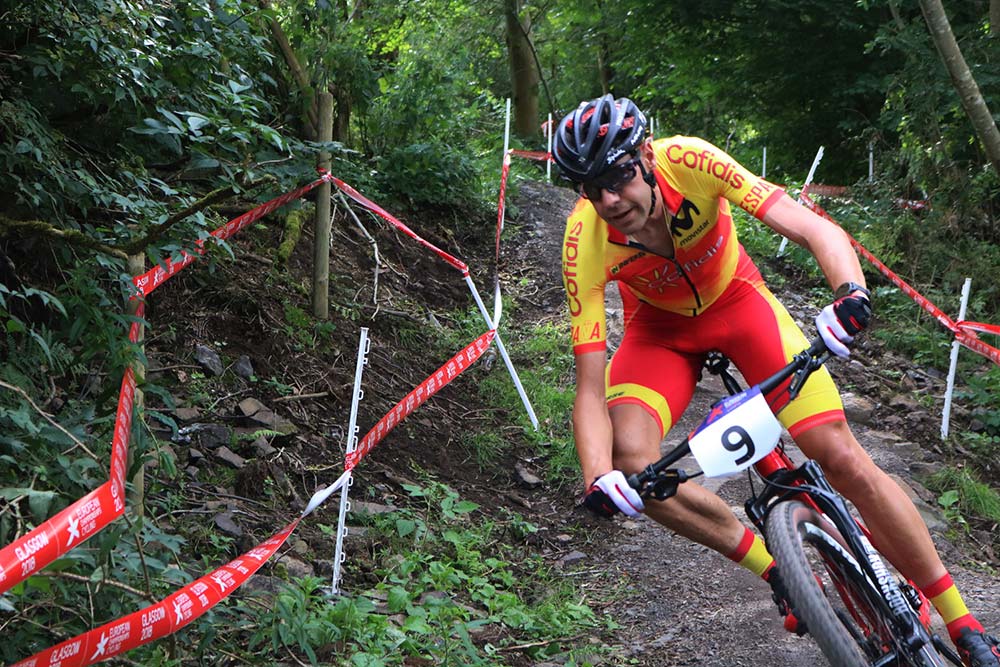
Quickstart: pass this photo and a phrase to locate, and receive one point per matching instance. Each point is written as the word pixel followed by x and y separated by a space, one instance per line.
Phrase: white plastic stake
pixel 809 178
pixel 506 133
pixel 871 163
pixel 352 444
pixel 503 352
pixel 763 166
pixel 946 413
pixel 549 132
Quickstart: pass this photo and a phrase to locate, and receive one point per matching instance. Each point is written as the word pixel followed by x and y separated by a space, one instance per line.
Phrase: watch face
pixel 849 288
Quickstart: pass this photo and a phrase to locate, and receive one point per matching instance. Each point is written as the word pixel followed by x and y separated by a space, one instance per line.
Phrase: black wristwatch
pixel 850 288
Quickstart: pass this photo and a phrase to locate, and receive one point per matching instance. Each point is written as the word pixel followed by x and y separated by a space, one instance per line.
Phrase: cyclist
pixel 655 217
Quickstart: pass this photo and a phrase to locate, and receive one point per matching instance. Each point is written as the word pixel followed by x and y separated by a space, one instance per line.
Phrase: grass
pixel 962 493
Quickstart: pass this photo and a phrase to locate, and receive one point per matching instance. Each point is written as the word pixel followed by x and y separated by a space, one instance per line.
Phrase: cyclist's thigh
pixel 646 373
pixel 763 338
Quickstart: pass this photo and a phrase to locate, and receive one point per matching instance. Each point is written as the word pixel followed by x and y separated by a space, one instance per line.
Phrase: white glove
pixel 611 493
pixel 833 332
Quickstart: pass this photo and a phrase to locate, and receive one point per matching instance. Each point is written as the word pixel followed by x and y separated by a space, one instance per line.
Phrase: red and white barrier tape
pixel 395 222
pixel 438 379
pixel 541 156
pixel 501 215
pixel 964 332
pixel 89 515
pixel 162 618
pixel 159 274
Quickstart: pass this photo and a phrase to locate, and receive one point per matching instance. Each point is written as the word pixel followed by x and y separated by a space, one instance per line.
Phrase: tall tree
pixel 968 90
pixel 524 73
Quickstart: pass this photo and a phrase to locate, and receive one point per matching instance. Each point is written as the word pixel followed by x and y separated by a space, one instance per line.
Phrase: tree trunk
pixel 968 91
pixel 523 72
pixel 321 247
pixel 137 498
pixel 301 77
pixel 994 17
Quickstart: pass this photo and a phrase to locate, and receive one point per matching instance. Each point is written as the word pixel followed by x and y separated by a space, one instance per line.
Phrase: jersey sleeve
pixel 584 279
pixel 711 171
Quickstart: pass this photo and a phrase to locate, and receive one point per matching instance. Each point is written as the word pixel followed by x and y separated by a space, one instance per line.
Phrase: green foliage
pixel 431 175
pixel 449 582
pixel 962 494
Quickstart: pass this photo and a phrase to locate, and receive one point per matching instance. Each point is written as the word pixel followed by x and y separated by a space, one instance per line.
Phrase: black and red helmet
pixel 595 135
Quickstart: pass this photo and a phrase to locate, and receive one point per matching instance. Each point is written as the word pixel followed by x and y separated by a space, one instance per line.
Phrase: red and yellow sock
pixel 752 554
pixel 949 603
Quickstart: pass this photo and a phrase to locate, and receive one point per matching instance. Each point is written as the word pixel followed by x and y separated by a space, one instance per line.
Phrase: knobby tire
pixel 788 543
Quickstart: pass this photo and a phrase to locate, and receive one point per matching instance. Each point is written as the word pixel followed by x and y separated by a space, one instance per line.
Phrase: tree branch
pixel 26 228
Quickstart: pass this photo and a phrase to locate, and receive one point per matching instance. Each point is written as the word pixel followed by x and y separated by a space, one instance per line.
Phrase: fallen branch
pixel 26 228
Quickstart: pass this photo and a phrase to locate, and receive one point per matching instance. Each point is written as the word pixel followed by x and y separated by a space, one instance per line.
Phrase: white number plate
pixel 738 432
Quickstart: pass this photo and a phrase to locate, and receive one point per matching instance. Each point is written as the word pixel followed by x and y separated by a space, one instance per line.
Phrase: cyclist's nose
pixel 609 197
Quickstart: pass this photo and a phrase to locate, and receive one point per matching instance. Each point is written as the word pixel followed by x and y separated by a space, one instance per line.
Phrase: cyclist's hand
pixel 842 320
pixel 610 493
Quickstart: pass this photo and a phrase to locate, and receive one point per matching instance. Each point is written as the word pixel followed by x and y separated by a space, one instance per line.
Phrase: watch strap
pixel 850 288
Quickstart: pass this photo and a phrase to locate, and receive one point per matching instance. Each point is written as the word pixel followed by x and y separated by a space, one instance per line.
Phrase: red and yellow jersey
pixel 697 181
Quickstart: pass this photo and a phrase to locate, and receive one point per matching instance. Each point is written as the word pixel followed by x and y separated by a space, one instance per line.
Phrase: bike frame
pixel 784 481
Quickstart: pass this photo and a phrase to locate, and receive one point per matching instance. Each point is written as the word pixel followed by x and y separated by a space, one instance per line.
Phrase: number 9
pixel 742 440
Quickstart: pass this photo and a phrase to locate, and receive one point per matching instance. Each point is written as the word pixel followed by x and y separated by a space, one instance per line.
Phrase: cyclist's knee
pixel 845 463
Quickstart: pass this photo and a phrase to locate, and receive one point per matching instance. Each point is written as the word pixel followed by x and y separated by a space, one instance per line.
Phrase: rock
pixel 224 522
pixel 573 557
pixel 263 586
pixel 564 538
pixel 263 448
pixel 208 359
pixel 195 456
pixel 363 507
pixel 859 410
pixel 251 406
pixel 243 367
pixel 905 402
pixel 209 436
pixel 301 547
pixel 187 414
pixel 229 457
pixel 526 478
pixel 191 472
pixel 295 568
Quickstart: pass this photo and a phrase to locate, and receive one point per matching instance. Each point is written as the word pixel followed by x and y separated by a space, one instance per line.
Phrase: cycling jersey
pixel 708 296
pixel 697 181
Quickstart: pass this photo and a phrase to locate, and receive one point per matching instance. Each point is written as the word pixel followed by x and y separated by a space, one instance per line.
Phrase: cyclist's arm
pixel 591 423
pixel 827 242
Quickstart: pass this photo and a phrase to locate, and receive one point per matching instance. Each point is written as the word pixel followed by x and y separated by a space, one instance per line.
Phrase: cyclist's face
pixel 624 197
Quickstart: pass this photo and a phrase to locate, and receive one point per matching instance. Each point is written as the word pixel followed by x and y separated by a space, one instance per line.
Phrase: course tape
pixel 438 379
pixel 395 222
pixel 162 618
pixel 160 273
pixel 92 513
pixel 533 155
pixel 965 332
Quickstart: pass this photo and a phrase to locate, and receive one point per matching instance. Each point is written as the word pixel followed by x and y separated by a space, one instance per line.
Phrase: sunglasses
pixel 613 180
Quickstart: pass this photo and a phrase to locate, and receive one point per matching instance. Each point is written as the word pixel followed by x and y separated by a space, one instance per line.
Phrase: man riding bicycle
pixel 688 287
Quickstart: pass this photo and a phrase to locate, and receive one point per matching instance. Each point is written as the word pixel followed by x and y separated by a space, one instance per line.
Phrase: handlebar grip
pixel 634 481
pixel 818 347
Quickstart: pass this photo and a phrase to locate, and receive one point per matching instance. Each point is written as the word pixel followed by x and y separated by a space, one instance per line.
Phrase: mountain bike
pixel 856 610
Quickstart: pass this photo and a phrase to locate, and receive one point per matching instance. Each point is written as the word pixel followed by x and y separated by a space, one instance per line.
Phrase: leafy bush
pixel 431 174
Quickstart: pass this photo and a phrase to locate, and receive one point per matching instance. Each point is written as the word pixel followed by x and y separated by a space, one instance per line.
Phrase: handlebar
pixel 657 481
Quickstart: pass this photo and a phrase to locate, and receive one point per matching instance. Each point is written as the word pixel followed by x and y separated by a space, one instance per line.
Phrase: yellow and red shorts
pixel 661 355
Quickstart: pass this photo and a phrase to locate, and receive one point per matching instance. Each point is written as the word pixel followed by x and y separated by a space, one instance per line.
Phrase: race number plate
pixel 738 432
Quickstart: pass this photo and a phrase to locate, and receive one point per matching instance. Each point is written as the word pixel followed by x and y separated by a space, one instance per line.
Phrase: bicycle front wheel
pixel 826 588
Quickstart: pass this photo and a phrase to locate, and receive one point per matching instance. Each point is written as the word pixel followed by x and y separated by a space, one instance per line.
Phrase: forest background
pixel 130 129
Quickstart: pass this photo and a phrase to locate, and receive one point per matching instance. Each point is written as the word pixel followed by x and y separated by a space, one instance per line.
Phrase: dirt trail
pixel 679 603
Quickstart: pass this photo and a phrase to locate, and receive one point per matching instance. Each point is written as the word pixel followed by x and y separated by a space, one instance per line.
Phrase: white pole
pixel 550 132
pixel 871 163
pixel 809 178
pixel 503 352
pixel 506 133
pixel 946 413
pixel 763 167
pixel 352 443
